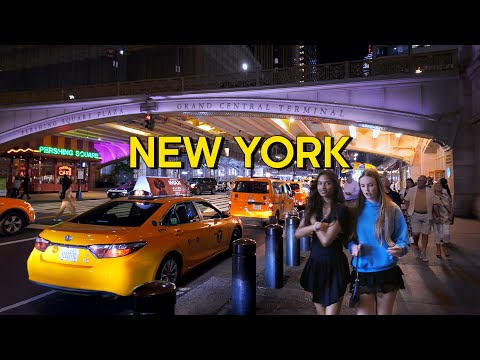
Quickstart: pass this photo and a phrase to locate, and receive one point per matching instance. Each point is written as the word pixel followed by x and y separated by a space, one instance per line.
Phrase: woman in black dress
pixel 326 273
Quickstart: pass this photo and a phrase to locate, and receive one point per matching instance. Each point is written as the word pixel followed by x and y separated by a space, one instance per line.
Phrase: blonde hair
pixel 386 216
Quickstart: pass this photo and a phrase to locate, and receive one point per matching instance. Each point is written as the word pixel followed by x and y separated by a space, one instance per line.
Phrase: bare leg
pixel 366 305
pixel 416 238
pixel 424 245
pixel 439 251
pixel 445 249
pixel 334 309
pixel 320 309
pixel 61 210
pixel 385 302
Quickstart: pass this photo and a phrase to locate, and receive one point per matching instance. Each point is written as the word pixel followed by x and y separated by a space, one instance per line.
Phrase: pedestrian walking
pixel 419 203
pixel 17 183
pixel 409 184
pixel 442 218
pixel 326 272
pixel 65 181
pixel 26 183
pixel 67 203
pixel 379 238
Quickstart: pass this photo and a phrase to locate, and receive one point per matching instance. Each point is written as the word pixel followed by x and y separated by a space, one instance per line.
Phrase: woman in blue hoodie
pixel 379 239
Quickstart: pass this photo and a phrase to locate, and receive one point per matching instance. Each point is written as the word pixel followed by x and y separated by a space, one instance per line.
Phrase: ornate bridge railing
pixel 414 65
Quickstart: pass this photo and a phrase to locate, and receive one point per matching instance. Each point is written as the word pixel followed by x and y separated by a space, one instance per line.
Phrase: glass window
pixel 251 187
pixel 119 213
pixel 208 211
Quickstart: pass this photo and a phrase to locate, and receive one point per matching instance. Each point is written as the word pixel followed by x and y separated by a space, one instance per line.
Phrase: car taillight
pixel 115 250
pixel 270 206
pixel 41 244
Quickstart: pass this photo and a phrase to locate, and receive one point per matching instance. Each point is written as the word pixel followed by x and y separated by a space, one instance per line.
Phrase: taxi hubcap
pixel 12 224
pixel 169 271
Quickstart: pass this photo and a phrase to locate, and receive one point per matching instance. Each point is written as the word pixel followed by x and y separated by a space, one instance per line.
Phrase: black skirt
pixel 380 281
pixel 326 277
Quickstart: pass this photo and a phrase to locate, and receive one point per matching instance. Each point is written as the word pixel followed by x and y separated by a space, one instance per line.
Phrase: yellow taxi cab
pixel 259 198
pixel 15 215
pixel 116 246
pixel 301 192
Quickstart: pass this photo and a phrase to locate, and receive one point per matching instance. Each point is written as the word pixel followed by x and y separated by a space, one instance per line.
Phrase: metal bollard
pixel 305 241
pixel 292 244
pixel 155 298
pixel 274 256
pixel 244 288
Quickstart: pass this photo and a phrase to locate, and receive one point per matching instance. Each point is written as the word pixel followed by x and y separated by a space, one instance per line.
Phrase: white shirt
pixel 352 188
pixel 431 200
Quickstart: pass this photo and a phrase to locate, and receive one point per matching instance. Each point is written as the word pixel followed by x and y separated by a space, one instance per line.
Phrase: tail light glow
pixel 41 244
pixel 115 250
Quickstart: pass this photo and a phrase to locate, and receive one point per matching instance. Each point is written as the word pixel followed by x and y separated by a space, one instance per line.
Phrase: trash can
pixel 155 298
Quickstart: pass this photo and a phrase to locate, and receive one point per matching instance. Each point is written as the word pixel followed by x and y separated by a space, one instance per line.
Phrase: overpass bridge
pixel 407 108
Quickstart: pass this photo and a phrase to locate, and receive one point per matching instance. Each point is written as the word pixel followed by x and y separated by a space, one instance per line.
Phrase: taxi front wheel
pixel 169 269
pixel 12 224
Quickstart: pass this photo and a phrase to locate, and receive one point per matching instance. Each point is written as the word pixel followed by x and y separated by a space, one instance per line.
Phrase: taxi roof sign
pixel 155 186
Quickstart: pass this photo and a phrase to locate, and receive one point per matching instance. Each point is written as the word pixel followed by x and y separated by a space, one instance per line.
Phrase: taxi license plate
pixel 69 254
pixel 257 207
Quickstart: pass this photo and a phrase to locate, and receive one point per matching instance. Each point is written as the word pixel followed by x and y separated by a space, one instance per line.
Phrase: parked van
pixel 258 198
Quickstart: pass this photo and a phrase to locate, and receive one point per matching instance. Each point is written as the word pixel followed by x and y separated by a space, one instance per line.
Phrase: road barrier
pixel 292 243
pixel 273 256
pixel 244 288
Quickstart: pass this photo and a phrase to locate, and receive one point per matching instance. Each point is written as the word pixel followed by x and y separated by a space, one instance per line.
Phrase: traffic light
pixel 149 122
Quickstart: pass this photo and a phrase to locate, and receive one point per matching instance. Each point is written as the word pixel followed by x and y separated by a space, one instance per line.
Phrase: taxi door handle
pixel 178 232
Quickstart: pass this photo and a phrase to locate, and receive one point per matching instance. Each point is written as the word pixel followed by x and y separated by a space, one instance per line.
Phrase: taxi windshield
pixel 119 213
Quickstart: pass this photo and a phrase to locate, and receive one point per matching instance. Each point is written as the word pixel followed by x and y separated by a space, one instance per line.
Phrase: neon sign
pixel 68 152
pixel 65 170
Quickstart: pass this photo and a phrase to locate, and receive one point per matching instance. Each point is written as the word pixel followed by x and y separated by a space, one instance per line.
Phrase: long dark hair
pixel 444 183
pixel 315 201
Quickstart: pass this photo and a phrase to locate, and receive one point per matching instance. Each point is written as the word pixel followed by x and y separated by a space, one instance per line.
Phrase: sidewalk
pixel 447 286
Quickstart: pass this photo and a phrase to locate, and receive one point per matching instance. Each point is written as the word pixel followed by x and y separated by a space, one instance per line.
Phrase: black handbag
pixel 355 297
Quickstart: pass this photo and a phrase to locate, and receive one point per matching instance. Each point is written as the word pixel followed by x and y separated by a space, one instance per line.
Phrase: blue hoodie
pixel 373 256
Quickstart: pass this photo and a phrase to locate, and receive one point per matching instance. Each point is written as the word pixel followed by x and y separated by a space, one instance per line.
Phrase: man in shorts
pixel 419 202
